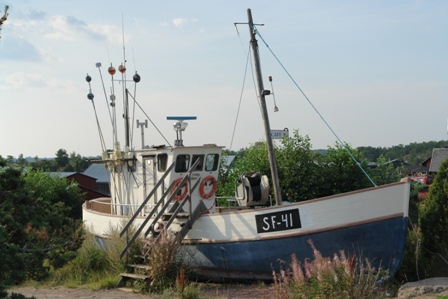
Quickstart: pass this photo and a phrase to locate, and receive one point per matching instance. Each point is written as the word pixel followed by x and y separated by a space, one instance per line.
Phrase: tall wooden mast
pixel 264 111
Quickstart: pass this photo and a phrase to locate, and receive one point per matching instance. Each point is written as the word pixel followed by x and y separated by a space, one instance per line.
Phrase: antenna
pixel 140 125
pixel 180 126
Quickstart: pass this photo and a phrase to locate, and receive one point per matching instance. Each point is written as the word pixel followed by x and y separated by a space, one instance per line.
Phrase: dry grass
pixel 324 277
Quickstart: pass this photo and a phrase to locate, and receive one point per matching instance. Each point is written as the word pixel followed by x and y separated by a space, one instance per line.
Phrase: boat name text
pixel 277 221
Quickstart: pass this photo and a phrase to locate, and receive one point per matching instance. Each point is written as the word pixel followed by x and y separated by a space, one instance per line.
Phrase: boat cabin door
pixel 150 180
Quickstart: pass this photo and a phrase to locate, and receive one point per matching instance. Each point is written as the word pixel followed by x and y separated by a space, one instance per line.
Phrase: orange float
pixel 179 197
pixel 206 182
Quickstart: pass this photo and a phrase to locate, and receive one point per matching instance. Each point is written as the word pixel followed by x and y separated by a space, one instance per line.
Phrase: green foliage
pixel 414 153
pixel 414 266
pixel 185 289
pixel 95 265
pixel 340 173
pixel 434 221
pixel 91 264
pixel 384 172
pixel 40 225
pixel 298 172
pixel 61 157
pixel 252 159
pixel 63 161
pixel 305 174
pixel 16 296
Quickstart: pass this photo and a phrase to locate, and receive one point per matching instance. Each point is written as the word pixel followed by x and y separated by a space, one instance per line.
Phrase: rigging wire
pixel 103 143
pixel 249 56
pixel 315 109
pixel 252 69
pixel 133 112
pixel 105 94
pixel 242 89
pixel 135 101
pixel 135 95
pixel 91 97
pixel 241 97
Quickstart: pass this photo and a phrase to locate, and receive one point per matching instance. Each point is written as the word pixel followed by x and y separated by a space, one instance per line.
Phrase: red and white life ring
pixel 182 195
pixel 205 190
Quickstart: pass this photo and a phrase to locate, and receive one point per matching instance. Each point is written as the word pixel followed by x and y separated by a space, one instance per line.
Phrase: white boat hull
pixel 249 244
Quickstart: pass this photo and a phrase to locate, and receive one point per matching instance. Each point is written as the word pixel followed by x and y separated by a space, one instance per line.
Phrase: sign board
pixel 277 221
pixel 279 134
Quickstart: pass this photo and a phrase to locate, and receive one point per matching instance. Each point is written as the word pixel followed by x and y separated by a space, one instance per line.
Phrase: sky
pixel 375 73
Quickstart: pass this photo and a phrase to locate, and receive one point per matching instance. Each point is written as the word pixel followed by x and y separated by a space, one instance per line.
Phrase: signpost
pixel 279 134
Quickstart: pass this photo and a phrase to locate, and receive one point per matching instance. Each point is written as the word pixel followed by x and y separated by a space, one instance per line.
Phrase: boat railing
pixel 105 206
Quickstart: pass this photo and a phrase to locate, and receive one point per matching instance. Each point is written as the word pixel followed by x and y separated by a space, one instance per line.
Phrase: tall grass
pixel 94 265
pixel 166 268
pixel 324 277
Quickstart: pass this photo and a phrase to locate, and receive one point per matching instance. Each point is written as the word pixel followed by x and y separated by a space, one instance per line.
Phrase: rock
pixel 425 288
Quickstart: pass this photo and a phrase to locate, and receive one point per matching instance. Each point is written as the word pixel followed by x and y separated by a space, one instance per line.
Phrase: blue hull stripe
pixel 382 243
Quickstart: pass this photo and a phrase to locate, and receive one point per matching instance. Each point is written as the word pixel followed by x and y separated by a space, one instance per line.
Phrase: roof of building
pixel 65 174
pixel 99 172
pixel 62 174
pixel 438 156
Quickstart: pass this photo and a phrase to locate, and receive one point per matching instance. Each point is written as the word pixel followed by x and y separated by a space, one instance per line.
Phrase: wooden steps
pixel 178 223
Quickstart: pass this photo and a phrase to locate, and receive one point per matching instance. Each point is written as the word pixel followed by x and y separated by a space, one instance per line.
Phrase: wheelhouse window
pixel 162 161
pixel 200 163
pixel 182 163
pixel 211 162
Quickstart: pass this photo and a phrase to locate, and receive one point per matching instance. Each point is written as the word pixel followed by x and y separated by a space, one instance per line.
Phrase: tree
pixel 4 17
pixel 10 159
pixel 341 172
pixel 21 160
pixel 253 158
pixel 62 158
pixel 78 163
pixel 298 168
pixel 434 221
pixel 385 173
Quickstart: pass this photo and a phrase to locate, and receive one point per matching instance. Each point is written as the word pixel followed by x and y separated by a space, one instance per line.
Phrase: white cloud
pixel 179 22
pixel 21 80
pixel 113 34
pixel 34 81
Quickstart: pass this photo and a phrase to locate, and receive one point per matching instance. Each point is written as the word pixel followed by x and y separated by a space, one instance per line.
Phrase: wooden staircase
pixel 171 220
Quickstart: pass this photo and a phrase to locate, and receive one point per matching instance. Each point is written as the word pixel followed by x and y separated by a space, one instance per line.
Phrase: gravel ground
pixel 425 289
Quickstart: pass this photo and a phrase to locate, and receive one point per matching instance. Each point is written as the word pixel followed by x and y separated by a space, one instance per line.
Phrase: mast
pixel 264 111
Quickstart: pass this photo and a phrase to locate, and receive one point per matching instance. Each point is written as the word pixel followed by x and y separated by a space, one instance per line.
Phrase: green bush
pixel 433 222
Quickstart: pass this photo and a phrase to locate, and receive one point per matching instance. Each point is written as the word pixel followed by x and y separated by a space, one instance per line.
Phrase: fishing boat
pixel 172 188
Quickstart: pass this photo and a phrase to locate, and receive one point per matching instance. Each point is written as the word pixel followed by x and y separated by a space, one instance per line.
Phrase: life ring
pixel 206 182
pixel 179 197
